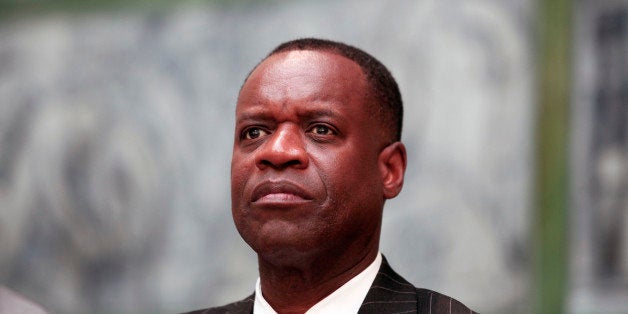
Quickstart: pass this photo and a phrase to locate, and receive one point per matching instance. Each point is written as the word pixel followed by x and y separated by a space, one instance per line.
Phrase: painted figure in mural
pixel 316 154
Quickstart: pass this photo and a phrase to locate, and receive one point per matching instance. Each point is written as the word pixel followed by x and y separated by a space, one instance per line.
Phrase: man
pixel 316 154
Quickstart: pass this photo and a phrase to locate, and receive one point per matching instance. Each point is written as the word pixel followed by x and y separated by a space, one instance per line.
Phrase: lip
pixel 279 192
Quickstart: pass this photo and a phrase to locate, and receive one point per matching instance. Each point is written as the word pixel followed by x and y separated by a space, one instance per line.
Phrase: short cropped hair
pixel 383 87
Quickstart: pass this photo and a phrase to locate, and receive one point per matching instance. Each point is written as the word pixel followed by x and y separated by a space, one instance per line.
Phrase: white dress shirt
pixel 346 299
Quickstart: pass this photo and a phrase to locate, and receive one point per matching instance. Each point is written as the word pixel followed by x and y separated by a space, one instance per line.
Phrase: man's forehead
pixel 305 75
pixel 307 62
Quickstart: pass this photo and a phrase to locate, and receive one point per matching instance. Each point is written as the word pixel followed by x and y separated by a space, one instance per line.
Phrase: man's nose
pixel 284 148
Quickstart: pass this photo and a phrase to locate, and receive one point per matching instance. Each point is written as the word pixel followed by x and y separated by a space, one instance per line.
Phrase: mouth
pixel 281 192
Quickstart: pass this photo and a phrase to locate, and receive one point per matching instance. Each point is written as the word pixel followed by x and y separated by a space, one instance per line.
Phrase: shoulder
pixel 391 293
pixel 244 306
pixel 399 291
pixel 429 301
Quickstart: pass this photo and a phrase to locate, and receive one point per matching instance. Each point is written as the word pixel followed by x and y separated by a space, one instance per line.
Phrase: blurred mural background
pixel 116 125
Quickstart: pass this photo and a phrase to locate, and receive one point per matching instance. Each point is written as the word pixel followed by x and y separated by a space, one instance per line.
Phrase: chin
pixel 285 256
pixel 287 251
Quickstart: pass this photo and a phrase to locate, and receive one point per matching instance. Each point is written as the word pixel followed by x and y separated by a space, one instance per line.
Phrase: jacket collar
pixel 389 293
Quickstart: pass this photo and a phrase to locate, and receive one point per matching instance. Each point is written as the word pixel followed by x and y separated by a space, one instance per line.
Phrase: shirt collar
pixel 346 299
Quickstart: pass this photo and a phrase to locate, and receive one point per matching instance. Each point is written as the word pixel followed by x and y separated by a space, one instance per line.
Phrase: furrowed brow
pixel 317 113
pixel 256 115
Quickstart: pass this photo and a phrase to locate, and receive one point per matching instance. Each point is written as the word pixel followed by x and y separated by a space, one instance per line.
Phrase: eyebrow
pixel 316 113
pixel 308 113
pixel 254 115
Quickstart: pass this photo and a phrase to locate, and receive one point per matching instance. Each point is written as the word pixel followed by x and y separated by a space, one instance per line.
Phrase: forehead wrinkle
pixel 301 87
pixel 318 111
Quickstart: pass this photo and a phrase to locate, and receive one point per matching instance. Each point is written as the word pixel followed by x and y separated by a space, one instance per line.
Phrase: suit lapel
pixel 245 306
pixel 390 293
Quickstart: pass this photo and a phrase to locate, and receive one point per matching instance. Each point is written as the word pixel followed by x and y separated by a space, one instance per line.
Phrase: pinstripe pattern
pixel 390 293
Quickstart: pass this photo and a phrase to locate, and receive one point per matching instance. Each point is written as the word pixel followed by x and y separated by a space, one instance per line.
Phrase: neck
pixel 296 288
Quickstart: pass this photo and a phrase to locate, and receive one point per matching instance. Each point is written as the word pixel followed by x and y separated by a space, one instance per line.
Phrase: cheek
pixel 353 168
pixel 239 176
pixel 352 184
pixel 238 205
pixel 237 181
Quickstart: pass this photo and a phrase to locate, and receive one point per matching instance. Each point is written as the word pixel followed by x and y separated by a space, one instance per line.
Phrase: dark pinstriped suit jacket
pixel 390 293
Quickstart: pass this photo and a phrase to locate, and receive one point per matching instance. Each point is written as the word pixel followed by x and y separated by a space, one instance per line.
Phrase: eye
pixel 253 133
pixel 321 129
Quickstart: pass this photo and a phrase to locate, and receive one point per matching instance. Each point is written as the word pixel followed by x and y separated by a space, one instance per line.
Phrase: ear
pixel 392 166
